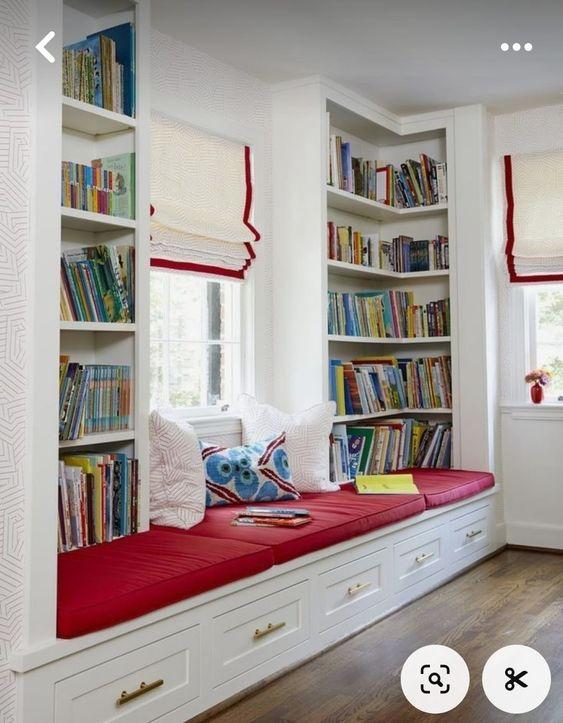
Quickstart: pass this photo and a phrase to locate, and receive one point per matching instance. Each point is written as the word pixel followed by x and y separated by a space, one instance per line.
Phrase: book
pixel 276 511
pixel 270 521
pixel 122 169
pixel 386 484
pixel 122 68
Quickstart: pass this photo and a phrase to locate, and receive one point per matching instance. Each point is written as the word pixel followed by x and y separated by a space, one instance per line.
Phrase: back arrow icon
pixel 41 46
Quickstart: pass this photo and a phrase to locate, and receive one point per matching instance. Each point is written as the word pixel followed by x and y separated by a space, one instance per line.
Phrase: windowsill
pixel 545 411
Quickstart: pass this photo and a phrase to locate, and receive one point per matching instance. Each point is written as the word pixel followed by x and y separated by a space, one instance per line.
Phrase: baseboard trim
pixel 531 548
pixel 543 536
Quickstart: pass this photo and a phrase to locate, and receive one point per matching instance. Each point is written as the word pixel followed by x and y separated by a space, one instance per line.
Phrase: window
pixel 195 345
pixel 546 334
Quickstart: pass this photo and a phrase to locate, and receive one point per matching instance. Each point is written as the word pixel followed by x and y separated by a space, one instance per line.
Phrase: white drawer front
pixel 253 634
pixel 470 533
pixel 91 696
pixel 352 587
pixel 418 557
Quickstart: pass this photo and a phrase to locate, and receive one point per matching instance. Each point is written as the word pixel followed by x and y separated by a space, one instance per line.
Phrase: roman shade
pixel 201 200
pixel 534 216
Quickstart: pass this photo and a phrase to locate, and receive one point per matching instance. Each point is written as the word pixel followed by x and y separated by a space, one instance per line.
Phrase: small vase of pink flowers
pixel 538 378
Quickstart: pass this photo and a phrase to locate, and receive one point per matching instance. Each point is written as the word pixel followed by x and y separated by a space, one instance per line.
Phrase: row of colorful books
pixel 93 398
pixel 386 314
pixel 378 384
pixel 106 186
pixel 379 448
pixel 403 254
pixel 98 499
pixel 414 183
pixel 97 284
pixel 100 69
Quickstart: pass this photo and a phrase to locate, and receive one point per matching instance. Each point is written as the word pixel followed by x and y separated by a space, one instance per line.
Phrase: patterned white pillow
pixel 306 439
pixel 177 479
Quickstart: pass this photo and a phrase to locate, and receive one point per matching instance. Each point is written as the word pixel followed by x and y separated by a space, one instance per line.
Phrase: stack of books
pixel 100 69
pixel 379 448
pixel 97 284
pixel 272 517
pixel 98 499
pixel 107 186
pixel 93 398
pixel 369 385
pixel 414 183
pixel 386 314
pixel 402 254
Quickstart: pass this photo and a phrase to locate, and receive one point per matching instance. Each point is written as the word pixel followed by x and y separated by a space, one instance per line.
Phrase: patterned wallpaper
pixel 15 132
pixel 209 85
pixel 528 131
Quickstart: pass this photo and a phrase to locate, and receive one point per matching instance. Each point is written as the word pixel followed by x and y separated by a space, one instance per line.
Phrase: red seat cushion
pixel 337 516
pixel 107 584
pixel 445 486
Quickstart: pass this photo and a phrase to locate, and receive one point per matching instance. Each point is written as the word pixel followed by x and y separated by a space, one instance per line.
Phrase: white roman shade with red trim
pixel 534 216
pixel 201 200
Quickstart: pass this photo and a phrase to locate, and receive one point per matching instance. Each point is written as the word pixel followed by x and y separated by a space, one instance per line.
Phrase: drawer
pixel 470 533
pixel 168 669
pixel 252 634
pixel 349 588
pixel 419 557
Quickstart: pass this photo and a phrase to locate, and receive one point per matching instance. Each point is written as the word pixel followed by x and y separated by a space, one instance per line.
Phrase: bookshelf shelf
pixel 389 413
pixel 341 268
pixel 375 340
pixel 97 326
pixel 94 121
pixel 90 440
pixel 95 222
pixel 360 206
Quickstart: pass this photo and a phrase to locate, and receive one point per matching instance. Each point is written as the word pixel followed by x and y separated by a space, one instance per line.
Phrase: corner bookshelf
pixel 89 132
pixel 305 114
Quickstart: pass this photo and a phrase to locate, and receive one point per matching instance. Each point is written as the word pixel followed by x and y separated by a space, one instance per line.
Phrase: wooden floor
pixel 515 597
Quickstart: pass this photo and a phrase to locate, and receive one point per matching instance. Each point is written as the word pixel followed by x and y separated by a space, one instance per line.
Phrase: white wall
pixel 15 210
pixel 531 439
pixel 200 89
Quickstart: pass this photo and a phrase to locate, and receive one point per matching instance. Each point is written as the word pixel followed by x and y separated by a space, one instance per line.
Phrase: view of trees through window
pixel 195 340
pixel 549 335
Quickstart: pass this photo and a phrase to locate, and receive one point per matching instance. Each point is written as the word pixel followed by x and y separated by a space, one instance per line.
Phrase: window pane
pixel 186 306
pixel 159 389
pixel 158 304
pixel 550 336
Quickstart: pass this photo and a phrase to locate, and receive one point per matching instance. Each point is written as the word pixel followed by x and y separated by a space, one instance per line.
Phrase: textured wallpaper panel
pixel 187 74
pixel 15 131
pixel 539 129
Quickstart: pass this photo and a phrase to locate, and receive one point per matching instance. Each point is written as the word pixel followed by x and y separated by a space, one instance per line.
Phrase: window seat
pixel 107 584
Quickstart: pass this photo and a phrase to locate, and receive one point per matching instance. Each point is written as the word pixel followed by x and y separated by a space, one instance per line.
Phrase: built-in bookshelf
pixel 310 266
pixel 104 313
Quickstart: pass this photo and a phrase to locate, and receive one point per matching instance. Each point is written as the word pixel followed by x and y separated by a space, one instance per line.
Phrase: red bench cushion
pixel 445 486
pixel 337 516
pixel 106 584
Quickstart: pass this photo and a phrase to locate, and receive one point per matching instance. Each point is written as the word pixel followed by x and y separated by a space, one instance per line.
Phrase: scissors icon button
pixel 514 679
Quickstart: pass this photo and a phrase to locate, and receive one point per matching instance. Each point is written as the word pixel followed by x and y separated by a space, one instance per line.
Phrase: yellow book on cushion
pixel 386 484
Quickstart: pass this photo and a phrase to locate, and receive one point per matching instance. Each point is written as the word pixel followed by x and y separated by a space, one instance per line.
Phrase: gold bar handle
pixel 473 533
pixel 143 688
pixel 355 589
pixel 423 557
pixel 270 628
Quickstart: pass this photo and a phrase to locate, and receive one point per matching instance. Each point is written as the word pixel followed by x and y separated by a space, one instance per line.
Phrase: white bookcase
pixel 304 273
pixel 71 130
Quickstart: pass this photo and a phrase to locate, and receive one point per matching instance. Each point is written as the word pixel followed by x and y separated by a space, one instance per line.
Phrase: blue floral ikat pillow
pixel 257 472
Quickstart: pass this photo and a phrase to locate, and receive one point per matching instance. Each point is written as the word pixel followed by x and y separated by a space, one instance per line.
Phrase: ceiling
pixel 407 55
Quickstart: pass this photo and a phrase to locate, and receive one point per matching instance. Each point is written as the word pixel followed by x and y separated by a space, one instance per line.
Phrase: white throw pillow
pixel 177 478
pixel 306 439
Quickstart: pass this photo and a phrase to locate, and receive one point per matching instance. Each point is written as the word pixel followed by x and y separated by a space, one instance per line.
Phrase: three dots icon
pixel 516 47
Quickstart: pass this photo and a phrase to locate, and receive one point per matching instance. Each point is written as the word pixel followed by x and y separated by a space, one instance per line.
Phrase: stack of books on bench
pixel 272 517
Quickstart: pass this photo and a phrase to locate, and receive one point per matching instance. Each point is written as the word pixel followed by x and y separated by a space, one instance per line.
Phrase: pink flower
pixel 541 376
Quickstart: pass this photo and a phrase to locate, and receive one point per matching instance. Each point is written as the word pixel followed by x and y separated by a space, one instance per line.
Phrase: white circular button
pixel 516 679
pixel 435 679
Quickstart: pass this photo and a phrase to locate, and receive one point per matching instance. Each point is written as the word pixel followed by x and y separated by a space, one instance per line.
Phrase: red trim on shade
pixel 219 270
pixel 509 250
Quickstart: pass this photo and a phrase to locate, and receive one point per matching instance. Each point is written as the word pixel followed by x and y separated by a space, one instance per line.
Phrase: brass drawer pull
pixel 270 628
pixel 473 533
pixel 355 589
pixel 423 557
pixel 125 697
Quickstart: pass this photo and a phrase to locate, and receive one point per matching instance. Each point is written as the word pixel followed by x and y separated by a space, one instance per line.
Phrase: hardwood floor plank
pixel 515 597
